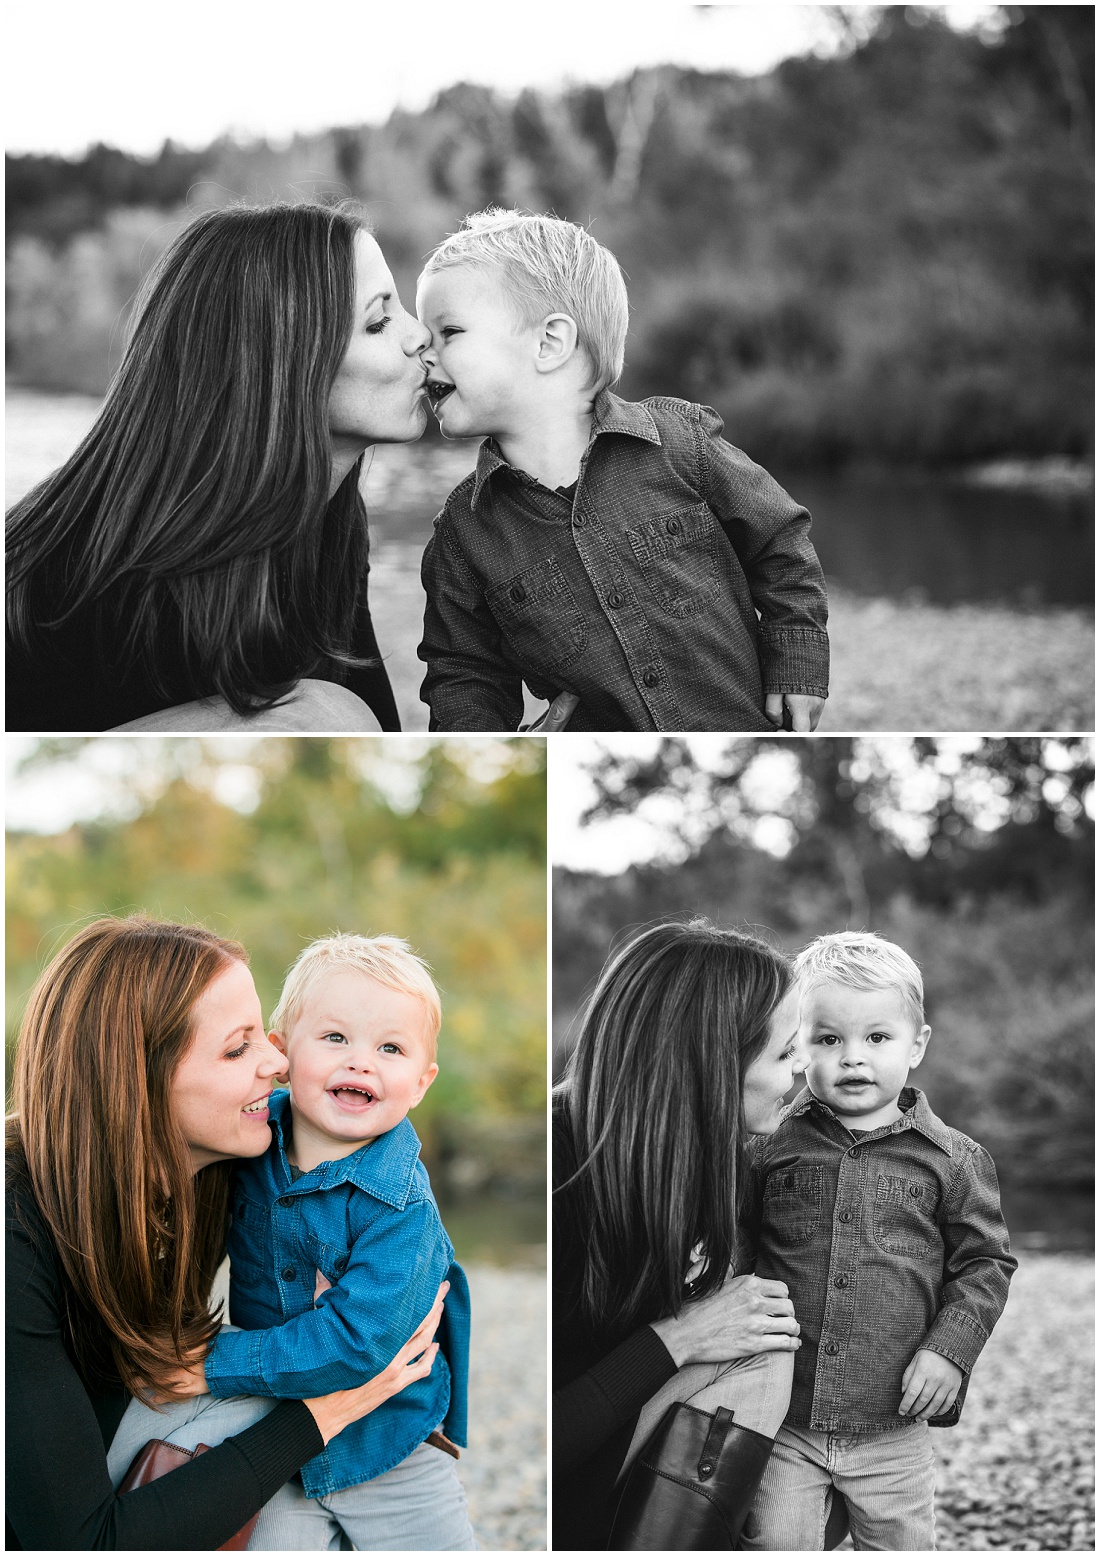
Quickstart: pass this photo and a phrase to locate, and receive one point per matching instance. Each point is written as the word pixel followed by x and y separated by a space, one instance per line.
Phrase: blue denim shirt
pixel 673 589
pixel 369 1224
pixel 890 1242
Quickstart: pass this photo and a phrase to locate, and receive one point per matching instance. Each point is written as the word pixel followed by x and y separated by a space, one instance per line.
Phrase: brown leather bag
pixel 156 1459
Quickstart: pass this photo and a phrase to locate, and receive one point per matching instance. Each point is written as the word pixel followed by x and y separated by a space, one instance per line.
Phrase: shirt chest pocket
pixel 250 1245
pixel 792 1206
pixel 678 556
pixel 539 617
pixel 904 1217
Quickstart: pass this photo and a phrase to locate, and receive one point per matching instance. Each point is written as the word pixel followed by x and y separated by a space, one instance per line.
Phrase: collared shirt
pixel 673 589
pixel 889 1242
pixel 368 1223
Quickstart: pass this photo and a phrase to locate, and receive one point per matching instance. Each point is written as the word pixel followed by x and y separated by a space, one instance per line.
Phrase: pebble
pixel 504 1468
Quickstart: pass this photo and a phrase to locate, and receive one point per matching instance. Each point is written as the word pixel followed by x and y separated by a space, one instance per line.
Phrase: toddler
pixel 337 1251
pixel 622 554
pixel 886 1226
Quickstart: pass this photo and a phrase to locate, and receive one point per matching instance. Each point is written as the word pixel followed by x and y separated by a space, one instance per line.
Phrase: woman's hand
pixel 333 1412
pixel 745 1316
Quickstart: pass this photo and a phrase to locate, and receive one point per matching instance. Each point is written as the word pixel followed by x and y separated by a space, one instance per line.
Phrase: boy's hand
pixel 929 1386
pixel 793 710
pixel 557 715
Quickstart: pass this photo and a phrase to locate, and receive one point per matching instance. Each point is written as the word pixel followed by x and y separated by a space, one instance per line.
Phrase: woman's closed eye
pixel 376 326
pixel 236 1053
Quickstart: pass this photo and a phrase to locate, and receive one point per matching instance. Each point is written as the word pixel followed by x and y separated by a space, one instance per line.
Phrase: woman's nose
pixel 417 336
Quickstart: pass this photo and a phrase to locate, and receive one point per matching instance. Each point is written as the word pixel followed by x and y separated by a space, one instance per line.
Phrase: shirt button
pixel 614 599
pixel 290 1273
pixel 651 678
pixel 914 1190
pixel 845 1215
pixel 673 526
pixel 579 521
pixel 841 1280
pixel 832 1348
pixel 286 1203
pixel 518 593
pixel 855 1151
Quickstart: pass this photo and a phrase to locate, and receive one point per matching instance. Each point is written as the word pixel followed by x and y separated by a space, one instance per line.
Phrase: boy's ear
pixel 424 1082
pixel 919 1046
pixel 277 1040
pixel 557 342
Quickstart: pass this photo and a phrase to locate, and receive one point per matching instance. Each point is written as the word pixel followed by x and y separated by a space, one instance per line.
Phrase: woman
pixel 687 1045
pixel 142 1070
pixel 208 539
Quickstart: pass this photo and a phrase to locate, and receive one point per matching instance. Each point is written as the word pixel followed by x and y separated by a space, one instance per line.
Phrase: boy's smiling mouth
pixel 437 391
pixel 356 1099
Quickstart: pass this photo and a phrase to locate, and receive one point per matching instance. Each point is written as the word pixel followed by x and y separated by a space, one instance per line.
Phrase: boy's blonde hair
pixel 385 958
pixel 863 960
pixel 548 265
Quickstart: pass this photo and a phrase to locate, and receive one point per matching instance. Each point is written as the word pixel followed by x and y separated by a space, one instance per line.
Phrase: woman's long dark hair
pixel 196 511
pixel 652 1092
pixel 138 1233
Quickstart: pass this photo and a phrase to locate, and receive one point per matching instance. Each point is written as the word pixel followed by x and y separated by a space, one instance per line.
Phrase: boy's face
pixel 481 358
pixel 861 1045
pixel 359 1060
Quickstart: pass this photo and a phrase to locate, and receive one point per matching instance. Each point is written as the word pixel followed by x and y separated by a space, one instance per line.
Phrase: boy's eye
pixel 450 329
pixel 334 1037
pixel 878 1037
pixel 828 1039
pixel 390 1048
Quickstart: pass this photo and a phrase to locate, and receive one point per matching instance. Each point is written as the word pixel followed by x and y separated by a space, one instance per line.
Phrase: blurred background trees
pixel 884 254
pixel 279 841
pixel 976 856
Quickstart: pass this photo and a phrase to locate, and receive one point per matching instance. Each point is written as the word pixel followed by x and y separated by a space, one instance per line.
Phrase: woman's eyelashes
pixel 236 1053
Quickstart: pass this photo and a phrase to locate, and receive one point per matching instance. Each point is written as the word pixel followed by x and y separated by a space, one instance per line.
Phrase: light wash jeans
pixel 757 1389
pixel 419 1505
pixel 887 1478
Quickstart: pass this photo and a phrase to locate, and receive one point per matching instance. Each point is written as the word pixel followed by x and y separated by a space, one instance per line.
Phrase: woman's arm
pixel 744 1317
pixel 60 1495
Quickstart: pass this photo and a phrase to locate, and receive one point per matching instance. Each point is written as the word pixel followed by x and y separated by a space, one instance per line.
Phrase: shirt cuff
pixel 795 660
pixel 957 1336
pixel 233 1366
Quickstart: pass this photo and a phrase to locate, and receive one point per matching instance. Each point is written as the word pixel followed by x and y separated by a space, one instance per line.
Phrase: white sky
pixel 132 73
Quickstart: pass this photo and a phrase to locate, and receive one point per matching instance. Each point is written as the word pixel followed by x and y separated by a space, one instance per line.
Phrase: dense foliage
pixel 980 864
pixel 885 254
pixel 458 869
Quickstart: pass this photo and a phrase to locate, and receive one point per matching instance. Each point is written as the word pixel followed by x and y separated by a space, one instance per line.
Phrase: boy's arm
pixel 770 533
pixel 469 683
pixel 977 1263
pixel 393 1273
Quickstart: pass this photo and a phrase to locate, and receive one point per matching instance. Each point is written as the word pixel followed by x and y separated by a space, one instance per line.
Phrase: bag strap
pixel 716 1437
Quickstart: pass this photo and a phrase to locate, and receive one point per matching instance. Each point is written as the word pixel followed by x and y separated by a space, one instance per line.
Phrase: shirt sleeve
pixel 393 1272
pixel 469 683
pixel 770 533
pixel 59 1493
pixel 977 1263
pixel 588 1410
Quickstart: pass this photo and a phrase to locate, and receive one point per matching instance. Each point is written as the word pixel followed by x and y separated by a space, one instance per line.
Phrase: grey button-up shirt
pixel 889 1242
pixel 672 590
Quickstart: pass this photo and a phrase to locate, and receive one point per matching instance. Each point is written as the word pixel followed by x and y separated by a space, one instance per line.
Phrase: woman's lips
pixel 258 1109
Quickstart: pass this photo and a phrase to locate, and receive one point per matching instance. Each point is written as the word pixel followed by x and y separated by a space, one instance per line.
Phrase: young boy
pixel 621 553
pixel 337 1252
pixel 886 1227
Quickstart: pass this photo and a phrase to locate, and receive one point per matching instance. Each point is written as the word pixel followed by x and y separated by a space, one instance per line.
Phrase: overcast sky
pixel 132 74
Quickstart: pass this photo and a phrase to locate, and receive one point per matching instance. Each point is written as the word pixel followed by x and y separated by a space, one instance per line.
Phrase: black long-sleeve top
pixel 599 1387
pixel 59 1427
pixel 79 678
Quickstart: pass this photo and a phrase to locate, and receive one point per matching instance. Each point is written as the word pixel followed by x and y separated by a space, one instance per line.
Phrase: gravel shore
pixel 1017 1472
pixel 504 1468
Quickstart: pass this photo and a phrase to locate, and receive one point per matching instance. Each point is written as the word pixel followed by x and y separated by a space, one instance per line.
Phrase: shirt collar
pixel 609 414
pixel 383 1168
pixel 916 1115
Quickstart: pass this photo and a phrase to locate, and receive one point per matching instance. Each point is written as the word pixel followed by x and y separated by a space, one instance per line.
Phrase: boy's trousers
pixel 887 1478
